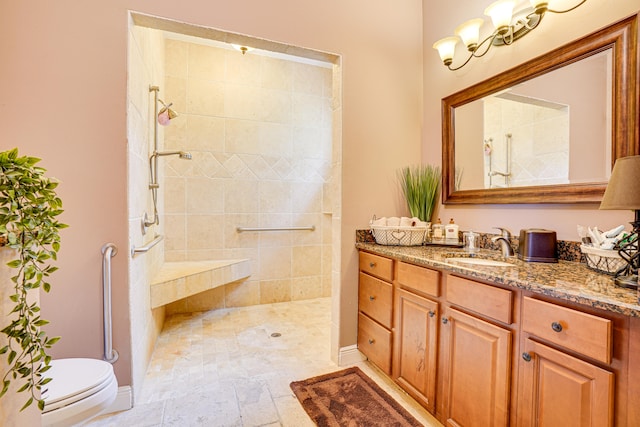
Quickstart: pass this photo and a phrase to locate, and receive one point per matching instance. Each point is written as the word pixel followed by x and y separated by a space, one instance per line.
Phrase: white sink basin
pixel 481 261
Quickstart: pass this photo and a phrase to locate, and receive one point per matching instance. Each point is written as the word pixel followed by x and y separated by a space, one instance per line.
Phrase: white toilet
pixel 80 389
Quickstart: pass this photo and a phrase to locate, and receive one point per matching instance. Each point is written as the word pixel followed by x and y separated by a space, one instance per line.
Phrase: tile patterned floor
pixel 225 368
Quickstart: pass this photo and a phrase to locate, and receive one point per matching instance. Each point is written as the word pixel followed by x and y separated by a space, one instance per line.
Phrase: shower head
pixel 182 154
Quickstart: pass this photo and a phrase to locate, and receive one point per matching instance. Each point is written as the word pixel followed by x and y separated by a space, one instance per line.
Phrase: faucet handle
pixel 504 232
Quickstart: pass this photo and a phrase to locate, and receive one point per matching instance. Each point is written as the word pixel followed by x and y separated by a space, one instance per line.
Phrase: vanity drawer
pixel 581 332
pixel 487 300
pixel 377 266
pixel 374 341
pixel 419 279
pixel 375 298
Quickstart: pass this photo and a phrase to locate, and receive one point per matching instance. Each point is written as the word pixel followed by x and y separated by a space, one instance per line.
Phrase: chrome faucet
pixel 505 242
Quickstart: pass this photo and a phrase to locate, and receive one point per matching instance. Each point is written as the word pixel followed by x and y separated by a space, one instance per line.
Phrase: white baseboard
pixel 350 355
pixel 123 402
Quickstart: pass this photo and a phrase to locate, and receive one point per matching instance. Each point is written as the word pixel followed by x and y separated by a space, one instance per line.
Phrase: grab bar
pixel 147 247
pixel 241 229
pixel 109 250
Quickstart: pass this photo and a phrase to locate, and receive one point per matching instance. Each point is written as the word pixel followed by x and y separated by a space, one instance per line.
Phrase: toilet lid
pixel 73 379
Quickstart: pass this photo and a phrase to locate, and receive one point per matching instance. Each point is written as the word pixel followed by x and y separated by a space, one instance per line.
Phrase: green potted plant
pixel 28 210
pixel 420 185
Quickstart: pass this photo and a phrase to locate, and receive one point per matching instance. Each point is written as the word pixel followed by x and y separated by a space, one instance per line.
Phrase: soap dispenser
pixel 451 230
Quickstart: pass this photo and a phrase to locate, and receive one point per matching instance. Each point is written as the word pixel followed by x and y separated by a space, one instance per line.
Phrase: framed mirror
pixel 548 130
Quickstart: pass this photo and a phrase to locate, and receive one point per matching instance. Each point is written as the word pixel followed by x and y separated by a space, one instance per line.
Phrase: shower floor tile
pixel 229 367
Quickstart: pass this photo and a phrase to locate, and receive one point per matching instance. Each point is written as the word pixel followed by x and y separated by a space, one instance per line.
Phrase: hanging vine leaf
pixel 28 210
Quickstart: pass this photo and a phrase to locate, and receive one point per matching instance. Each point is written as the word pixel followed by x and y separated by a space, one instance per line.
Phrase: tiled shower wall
pixel 260 132
pixel 146 67
pixel 539 143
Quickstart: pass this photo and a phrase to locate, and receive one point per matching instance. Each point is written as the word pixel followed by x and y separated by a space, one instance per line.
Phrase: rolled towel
pixel 596 239
pixel 380 221
pixel 406 222
pixel 393 221
pixel 417 223
pixel 614 231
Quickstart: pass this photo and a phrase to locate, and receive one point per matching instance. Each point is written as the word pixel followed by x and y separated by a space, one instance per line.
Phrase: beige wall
pixel 590 109
pixel 64 83
pixel 471 160
pixel 439 82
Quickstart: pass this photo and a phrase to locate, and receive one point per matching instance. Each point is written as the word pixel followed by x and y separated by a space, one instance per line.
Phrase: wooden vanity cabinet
pixel 558 388
pixel 476 353
pixel 416 332
pixel 375 309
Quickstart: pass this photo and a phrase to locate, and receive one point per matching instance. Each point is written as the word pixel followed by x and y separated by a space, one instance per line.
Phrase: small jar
pixel 437 231
pixel 470 241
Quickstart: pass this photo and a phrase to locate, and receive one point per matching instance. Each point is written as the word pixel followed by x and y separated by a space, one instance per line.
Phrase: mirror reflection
pixel 553 129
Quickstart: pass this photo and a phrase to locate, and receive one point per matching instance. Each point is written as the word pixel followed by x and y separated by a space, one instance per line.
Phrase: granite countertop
pixel 567 280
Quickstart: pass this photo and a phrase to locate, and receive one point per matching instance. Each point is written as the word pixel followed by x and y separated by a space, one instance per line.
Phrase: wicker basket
pixel 602 260
pixel 399 236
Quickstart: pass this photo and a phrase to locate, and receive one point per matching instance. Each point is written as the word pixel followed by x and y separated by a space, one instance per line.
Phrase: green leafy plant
pixel 28 210
pixel 420 185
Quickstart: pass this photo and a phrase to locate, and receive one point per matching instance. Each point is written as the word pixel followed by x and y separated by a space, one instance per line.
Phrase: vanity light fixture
pixel 509 27
pixel 623 192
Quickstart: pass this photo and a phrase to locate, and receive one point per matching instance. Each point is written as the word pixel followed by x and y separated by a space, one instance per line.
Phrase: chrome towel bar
pixel 147 247
pixel 309 228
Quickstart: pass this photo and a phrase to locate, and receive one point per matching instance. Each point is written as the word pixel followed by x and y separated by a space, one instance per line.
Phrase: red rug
pixel 350 398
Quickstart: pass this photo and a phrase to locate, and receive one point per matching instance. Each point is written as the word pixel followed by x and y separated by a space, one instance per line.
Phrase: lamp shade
pixel 500 13
pixel 446 48
pixel 623 189
pixel 469 32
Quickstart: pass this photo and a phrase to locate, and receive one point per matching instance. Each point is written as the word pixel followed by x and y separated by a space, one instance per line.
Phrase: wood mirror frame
pixel 621 37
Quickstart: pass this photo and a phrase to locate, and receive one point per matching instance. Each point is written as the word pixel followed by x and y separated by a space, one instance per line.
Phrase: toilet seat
pixel 80 389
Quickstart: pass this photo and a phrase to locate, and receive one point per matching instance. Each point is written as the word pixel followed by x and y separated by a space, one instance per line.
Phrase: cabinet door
pixel 477 366
pixel 560 390
pixel 415 346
